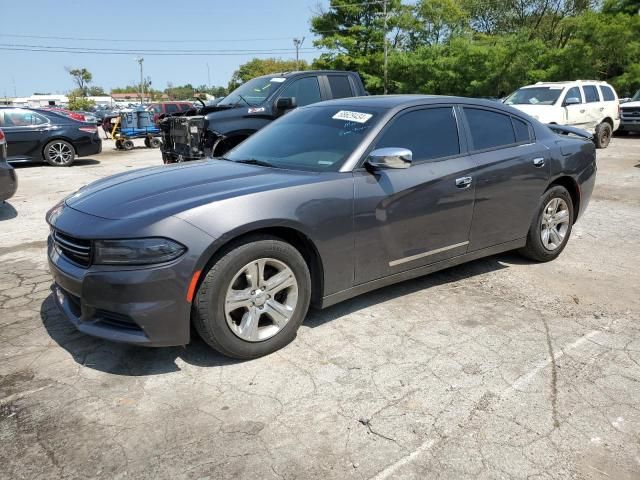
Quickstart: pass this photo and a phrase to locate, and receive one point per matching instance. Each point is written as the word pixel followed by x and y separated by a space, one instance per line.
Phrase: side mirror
pixel 571 101
pixel 391 157
pixel 286 103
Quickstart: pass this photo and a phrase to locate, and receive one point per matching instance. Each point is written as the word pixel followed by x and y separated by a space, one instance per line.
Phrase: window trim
pixel 462 141
pixel 473 151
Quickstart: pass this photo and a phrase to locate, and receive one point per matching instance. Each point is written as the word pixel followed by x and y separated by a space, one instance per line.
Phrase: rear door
pixel 408 218
pixel 594 106
pixel 339 86
pixel 512 174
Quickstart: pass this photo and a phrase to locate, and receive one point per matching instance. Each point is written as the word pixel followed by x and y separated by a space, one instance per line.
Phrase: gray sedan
pixel 328 202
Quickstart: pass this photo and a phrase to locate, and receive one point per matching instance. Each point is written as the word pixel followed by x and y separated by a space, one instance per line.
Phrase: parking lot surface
pixel 500 368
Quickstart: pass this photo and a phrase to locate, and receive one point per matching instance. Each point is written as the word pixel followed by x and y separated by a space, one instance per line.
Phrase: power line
pixel 147 50
pixel 99 52
pixel 138 40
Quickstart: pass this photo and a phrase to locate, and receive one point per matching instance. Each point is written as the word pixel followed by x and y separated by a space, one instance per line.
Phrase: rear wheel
pixel 254 298
pixel 551 226
pixel 59 153
pixel 603 135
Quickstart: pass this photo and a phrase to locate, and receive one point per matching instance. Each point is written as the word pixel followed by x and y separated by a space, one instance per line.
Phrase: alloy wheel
pixel 554 224
pixel 59 153
pixel 261 299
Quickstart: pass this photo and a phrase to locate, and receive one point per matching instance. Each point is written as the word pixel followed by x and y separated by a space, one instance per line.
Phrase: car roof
pixel 567 83
pixel 404 101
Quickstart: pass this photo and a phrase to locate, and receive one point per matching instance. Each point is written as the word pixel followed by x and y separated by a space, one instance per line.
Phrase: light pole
pixel 140 60
pixel 297 42
pixel 384 6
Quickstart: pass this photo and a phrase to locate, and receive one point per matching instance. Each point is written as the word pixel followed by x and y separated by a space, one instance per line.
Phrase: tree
pixel 80 103
pixel 82 77
pixel 266 66
pixel 96 91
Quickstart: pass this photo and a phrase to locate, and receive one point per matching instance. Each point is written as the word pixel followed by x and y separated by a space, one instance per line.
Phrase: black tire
pixel 155 143
pixel 127 145
pixel 603 135
pixel 119 144
pixel 534 248
pixel 147 143
pixel 59 153
pixel 208 306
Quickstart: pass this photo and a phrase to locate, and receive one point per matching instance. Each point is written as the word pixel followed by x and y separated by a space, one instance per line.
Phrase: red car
pixel 68 113
pixel 167 108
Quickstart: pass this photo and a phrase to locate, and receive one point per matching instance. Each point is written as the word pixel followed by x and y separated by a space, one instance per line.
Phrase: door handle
pixel 538 162
pixel 582 111
pixel 463 182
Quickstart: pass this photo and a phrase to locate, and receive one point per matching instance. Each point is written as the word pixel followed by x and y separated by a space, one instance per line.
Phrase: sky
pixel 268 26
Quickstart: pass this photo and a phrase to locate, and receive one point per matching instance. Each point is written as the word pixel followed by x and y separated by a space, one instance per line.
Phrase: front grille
pixel 75 249
pixel 630 113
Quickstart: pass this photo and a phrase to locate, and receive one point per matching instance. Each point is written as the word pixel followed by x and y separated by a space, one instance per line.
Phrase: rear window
pixel 607 93
pixel 590 93
pixel 340 86
pixel 521 129
pixel 171 108
pixel 489 129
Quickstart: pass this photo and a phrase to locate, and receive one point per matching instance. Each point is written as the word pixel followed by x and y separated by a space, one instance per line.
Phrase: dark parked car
pixel 328 202
pixel 8 180
pixel 36 136
pixel 214 129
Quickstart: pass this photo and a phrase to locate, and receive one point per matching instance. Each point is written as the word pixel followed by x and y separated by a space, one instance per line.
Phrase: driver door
pixel 576 114
pixel 408 218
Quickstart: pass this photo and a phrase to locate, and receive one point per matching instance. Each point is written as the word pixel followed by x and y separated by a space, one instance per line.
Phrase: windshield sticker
pixel 256 110
pixel 358 117
pixel 278 79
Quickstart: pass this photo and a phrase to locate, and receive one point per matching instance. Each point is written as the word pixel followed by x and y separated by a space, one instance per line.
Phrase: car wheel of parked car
pixel 551 226
pixel 127 145
pixel 603 135
pixel 59 153
pixel 254 298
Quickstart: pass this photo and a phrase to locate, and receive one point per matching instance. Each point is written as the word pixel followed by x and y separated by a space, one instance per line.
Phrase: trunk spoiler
pixel 567 130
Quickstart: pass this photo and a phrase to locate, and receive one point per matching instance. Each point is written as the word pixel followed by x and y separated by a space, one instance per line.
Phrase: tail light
pixel 1 135
pixel 88 129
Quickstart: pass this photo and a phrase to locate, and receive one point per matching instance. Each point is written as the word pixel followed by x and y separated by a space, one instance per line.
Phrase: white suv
pixel 586 104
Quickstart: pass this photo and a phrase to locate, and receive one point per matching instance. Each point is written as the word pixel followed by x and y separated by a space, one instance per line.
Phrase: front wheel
pixel 603 135
pixel 551 226
pixel 254 298
pixel 59 153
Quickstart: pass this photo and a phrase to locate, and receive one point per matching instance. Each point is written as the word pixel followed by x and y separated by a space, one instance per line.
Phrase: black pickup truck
pixel 213 130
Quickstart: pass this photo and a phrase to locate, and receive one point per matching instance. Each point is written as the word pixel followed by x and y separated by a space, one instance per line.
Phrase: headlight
pixel 137 251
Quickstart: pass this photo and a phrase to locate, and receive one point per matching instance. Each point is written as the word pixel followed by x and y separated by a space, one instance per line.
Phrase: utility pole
pixel 140 60
pixel 297 42
pixel 384 7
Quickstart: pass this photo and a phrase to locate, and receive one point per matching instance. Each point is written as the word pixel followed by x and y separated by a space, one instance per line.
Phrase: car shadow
pixel 7 212
pixel 131 360
pixel 77 163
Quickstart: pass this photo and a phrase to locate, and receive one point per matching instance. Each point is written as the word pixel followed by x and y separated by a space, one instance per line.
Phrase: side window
pixel 157 108
pixel 607 93
pixel 489 129
pixel 590 93
pixel 20 118
pixel 574 92
pixel 430 133
pixel 37 119
pixel 305 90
pixel 521 129
pixel 340 86
pixel 185 106
pixel 171 108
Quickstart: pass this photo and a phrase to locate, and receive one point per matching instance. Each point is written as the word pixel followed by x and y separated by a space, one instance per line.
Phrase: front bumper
pixel 144 306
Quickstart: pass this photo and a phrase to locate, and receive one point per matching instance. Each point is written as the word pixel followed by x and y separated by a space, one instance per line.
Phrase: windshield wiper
pixel 254 161
pixel 244 100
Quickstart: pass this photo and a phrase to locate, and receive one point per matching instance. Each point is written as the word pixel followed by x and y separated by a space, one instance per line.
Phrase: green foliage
pixel 96 91
pixel 263 66
pixel 80 103
pixel 484 49
pixel 82 77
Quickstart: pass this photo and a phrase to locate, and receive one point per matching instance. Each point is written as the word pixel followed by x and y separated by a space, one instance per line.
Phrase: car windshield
pixel 316 138
pixel 636 97
pixel 534 96
pixel 254 92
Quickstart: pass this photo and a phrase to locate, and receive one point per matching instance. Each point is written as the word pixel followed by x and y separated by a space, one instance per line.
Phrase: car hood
pixel 539 112
pixel 630 104
pixel 171 189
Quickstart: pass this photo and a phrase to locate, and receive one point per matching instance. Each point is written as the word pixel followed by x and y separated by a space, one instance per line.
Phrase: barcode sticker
pixel 357 117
